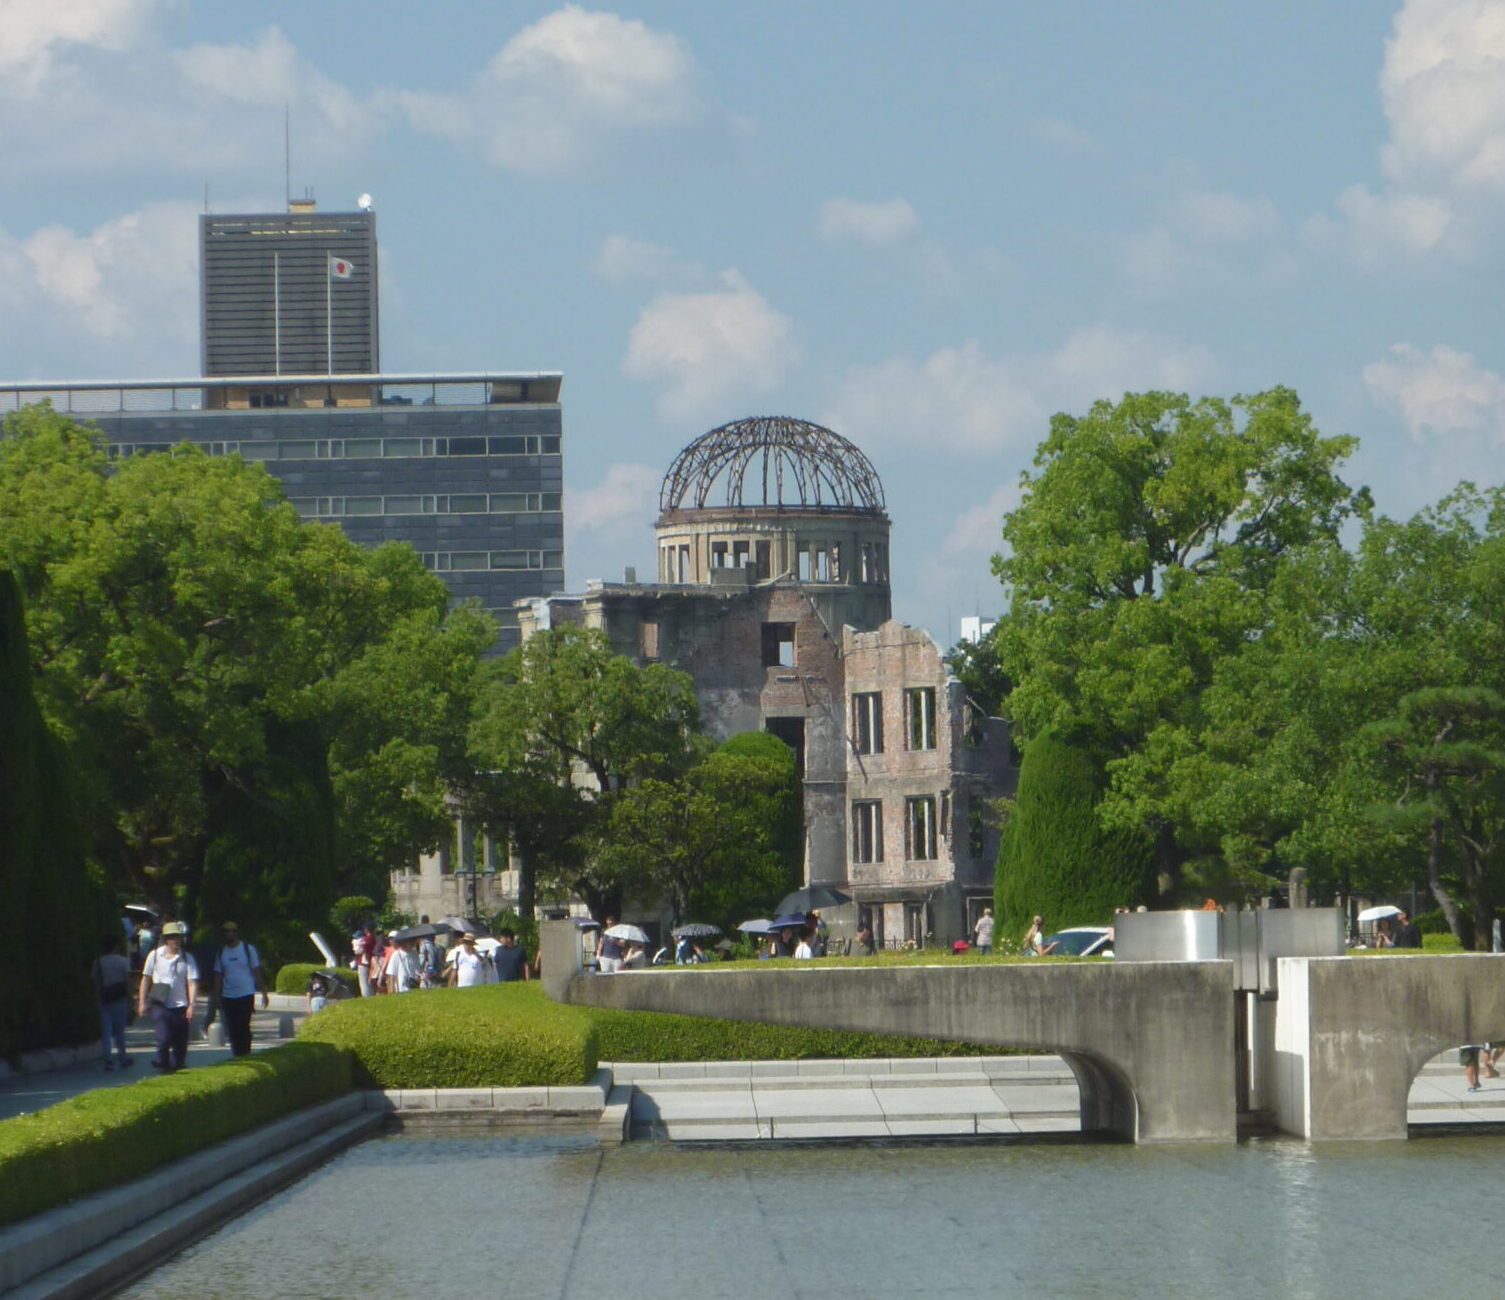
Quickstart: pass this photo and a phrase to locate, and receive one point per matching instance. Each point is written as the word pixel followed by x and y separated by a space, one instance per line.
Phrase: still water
pixel 540 1218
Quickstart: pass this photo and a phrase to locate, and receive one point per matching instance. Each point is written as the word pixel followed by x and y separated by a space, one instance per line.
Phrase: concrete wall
pixel 1351 1034
pixel 1149 1043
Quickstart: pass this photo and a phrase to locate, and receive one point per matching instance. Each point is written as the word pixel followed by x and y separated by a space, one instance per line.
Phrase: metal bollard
pixel 217 1034
pixel 286 1027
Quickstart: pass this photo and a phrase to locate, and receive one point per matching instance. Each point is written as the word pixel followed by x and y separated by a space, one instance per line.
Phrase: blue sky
pixel 928 227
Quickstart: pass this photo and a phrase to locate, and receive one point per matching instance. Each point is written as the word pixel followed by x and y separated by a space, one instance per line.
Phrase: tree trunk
pixel 1445 900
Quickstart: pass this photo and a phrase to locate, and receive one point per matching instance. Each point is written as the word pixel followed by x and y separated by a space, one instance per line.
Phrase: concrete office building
pixel 466 468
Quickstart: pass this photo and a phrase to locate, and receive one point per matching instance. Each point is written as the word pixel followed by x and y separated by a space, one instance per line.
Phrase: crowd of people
pixel 394 963
pixel 154 967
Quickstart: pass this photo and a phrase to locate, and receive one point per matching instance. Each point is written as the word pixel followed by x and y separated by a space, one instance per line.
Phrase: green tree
pixel 716 841
pixel 210 658
pixel 1055 858
pixel 43 877
pixel 564 724
pixel 1138 562
pixel 1444 749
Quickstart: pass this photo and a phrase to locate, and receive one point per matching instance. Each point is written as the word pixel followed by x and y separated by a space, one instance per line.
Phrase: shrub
pixel 497 1036
pixel 1055 858
pixel 511 1035
pixel 112 1135
pixel 293 978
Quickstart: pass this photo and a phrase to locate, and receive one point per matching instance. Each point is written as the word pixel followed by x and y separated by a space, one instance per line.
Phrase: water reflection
pixel 542 1218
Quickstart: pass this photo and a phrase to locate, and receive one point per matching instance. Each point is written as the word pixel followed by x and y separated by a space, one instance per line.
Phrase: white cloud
pixel 628 493
pixel 877 225
pixel 128 288
pixel 1205 235
pixel 209 110
pixel 565 88
pixel 1443 88
pixel 961 399
pixel 31 30
pixel 1061 135
pixel 621 259
pixel 707 348
pixel 1444 391
pixel 980 528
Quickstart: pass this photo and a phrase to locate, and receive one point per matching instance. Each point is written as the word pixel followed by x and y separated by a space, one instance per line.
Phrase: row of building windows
pixel 919 720
pixel 813 561
pixel 926 818
pixel 467 503
pixel 530 444
pixel 461 561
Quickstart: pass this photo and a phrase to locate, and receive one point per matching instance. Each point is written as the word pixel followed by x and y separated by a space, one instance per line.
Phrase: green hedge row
pixel 293 978
pixel 111 1135
pixel 511 1035
pixel 496 1036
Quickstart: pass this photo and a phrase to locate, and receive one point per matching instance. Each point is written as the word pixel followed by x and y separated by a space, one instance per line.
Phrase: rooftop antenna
pixel 206 198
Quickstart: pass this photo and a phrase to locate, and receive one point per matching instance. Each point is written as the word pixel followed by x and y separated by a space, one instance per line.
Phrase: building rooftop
pixel 115 396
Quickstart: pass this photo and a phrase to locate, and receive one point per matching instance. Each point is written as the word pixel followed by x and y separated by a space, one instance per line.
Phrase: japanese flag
pixel 340 269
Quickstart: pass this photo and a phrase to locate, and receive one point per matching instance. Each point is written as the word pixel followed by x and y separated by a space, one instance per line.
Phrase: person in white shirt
pixel 402 971
pixel 237 980
pixel 982 932
pixel 803 950
pixel 468 967
pixel 170 986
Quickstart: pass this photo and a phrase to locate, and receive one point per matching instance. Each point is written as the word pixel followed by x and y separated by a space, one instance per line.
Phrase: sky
pixel 925 227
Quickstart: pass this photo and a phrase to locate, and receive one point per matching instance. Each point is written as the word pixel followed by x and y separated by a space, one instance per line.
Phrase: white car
pixel 1081 941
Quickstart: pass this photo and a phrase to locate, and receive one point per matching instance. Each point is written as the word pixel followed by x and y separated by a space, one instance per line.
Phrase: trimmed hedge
pixel 293 978
pixel 511 1035
pixel 112 1135
pixel 496 1036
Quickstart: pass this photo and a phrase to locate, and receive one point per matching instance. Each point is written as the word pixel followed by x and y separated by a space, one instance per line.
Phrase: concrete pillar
pixel 560 950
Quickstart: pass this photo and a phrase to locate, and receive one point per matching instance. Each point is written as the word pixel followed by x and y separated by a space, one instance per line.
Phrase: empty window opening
pixel 792 732
pixel 919 705
pixel 867 831
pixel 778 645
pixel 867 722
pixel 919 829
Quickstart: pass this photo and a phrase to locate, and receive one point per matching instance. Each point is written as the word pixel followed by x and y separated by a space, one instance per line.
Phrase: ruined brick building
pixel 772 593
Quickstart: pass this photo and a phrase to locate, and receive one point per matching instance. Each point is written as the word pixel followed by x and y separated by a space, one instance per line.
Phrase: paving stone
pixel 463 1099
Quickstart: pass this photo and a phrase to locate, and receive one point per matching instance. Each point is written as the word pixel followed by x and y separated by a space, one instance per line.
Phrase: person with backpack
pixel 237 980
pixel 169 986
pixel 112 972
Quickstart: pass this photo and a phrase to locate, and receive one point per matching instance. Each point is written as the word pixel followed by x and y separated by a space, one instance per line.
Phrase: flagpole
pixel 329 317
pixel 277 313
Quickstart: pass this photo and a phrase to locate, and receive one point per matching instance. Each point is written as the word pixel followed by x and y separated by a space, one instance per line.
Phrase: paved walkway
pixel 22 1093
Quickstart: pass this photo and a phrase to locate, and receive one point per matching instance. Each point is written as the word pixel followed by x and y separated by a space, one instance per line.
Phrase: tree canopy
pixel 230 680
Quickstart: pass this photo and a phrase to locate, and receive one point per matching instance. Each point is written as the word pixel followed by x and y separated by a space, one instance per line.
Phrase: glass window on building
pixel 919 708
pixel 867 722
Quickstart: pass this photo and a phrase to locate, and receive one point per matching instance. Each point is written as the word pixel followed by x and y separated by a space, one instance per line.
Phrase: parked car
pixel 1081 941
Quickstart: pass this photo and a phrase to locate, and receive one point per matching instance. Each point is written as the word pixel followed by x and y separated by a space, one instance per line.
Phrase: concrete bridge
pixel 1161 1050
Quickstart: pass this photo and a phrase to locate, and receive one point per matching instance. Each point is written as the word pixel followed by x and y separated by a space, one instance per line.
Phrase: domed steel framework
pixel 813 466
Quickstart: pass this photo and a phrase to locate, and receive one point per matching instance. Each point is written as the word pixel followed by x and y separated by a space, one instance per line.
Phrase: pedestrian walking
pixel 237 981
pixel 982 932
pixel 469 967
pixel 112 973
pixel 510 959
pixel 169 987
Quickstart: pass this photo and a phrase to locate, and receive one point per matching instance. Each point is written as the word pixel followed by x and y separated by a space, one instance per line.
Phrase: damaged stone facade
pixel 781 615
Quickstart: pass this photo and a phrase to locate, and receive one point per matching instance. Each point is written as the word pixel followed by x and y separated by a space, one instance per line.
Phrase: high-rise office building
pixel 466 468
pixel 292 293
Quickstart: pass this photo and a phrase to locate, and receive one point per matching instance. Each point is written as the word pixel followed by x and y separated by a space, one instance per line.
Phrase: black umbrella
pixel 695 930
pixel 812 897
pixel 421 931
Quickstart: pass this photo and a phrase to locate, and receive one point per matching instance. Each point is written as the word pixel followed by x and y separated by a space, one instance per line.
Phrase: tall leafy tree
pixel 566 711
pixel 716 842
pixel 205 654
pixel 1137 562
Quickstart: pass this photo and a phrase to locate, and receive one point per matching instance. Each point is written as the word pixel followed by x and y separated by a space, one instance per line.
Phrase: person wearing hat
pixel 237 980
pixel 169 986
pixel 469 966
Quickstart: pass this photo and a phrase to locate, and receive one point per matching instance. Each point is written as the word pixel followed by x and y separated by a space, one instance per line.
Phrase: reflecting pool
pixel 538 1218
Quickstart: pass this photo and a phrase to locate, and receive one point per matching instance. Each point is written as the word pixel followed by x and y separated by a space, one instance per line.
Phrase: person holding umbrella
pixel 608 949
